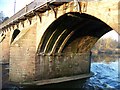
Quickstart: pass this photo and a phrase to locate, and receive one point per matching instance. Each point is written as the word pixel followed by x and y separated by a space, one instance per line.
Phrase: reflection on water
pixel 106 75
pixel 107 58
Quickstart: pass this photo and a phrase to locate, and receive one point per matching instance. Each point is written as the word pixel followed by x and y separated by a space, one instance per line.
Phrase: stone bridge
pixel 46 40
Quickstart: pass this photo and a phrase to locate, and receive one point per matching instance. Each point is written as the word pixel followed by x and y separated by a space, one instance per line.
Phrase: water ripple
pixel 105 76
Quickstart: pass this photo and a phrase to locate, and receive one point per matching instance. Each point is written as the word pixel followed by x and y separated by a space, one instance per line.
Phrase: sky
pixel 7 6
pixel 112 34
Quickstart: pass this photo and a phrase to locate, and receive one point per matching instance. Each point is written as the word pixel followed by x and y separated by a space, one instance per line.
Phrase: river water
pixel 106 73
pixel 106 76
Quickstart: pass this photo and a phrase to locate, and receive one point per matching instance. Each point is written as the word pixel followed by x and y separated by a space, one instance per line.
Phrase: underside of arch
pixel 14 35
pixel 72 32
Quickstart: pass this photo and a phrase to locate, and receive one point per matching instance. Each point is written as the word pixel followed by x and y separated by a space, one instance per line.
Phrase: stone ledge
pixel 55 80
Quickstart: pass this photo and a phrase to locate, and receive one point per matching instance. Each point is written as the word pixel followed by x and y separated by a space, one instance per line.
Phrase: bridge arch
pixel 14 35
pixel 2 37
pixel 72 32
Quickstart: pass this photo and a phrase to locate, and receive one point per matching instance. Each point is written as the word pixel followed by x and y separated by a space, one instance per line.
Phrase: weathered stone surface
pixel 22 56
pixel 47 33
pixel 4 47
pixel 65 65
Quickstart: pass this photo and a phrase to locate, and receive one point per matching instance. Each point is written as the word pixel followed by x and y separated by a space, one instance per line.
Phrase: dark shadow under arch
pixel 15 33
pixel 81 31
pixel 3 36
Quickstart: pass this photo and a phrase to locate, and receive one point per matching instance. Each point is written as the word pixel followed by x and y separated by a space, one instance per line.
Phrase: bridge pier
pixel 5 47
pixel 22 56
pixel 61 31
pixel 62 65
